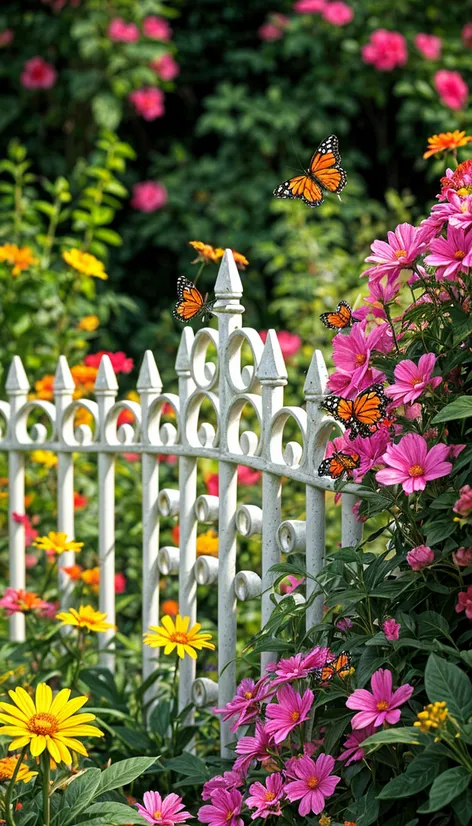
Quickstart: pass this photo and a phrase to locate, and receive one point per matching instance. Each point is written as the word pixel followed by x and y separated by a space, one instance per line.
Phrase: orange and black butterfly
pixel 191 303
pixel 339 666
pixel 339 318
pixel 339 465
pixel 362 414
pixel 324 173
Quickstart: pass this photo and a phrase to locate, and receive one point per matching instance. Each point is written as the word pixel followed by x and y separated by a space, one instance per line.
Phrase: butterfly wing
pixel 325 166
pixel 339 465
pixel 339 408
pixel 303 187
pixel 190 302
pixel 368 410
pixel 340 666
pixel 339 319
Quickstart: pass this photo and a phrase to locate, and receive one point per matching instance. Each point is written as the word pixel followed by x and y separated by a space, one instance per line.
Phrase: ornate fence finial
pixel 64 384
pixel 17 382
pixel 316 378
pixel 182 360
pixel 149 379
pixel 271 370
pixel 228 286
pixel 106 383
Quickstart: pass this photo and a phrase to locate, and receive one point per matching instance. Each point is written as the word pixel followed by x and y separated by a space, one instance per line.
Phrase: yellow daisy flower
pixel 57 542
pixel 207 544
pixel 85 617
pixel 89 323
pixel 44 457
pixel 47 723
pixel 85 263
pixel 8 766
pixel 171 636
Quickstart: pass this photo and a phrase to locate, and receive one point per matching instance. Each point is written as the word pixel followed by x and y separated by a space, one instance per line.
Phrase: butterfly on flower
pixel 361 415
pixel 339 465
pixel 339 318
pixel 339 665
pixel 191 303
pixel 324 173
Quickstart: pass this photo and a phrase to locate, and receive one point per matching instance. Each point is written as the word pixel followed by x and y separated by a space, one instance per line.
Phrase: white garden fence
pixel 229 387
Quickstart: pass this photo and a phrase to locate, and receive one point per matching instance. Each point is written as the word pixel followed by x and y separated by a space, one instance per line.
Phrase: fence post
pixel 63 393
pixel 17 387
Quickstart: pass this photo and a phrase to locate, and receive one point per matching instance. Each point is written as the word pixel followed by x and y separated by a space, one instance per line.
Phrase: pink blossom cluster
pixel 15 601
pixel 335 12
pixel 274 27
pixel 385 50
pixel 155 28
pixel 120 362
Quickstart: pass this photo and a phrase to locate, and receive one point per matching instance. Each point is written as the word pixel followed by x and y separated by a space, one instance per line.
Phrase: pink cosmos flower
pixel 49 610
pixel 224 810
pixel 119 361
pixel 245 703
pixel 465 602
pixel 348 386
pixel 344 623
pixel 413 412
pixel 462 557
pixel 148 196
pixel 30 532
pixel 165 811
pixel 309 6
pixel 265 800
pixel 290 710
pixel 399 253
pixel 370 451
pixel 451 255
pixel 380 706
pixel 290 343
pixel 299 666
pixel 463 506
pixel 337 13
pixel 466 35
pixel 420 557
pixel 461 211
pixel 253 747
pixel 460 180
pixel 121 31
pixel 38 74
pixel 451 88
pixel 412 380
pixel 412 465
pixel 148 102
pixel 120 583
pixel 429 45
pixel 353 744
pixel 229 780
pixel 157 28
pixel 351 355
pixel 294 583
pixel 391 629
pixel 317 658
pixel 385 50
pixel 314 783
pixel 6 37
pixel 166 67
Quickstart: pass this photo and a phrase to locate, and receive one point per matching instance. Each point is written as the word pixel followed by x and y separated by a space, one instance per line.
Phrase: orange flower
pixel 45 388
pixel 84 378
pixel 73 571
pixel 91 577
pixel 89 323
pixel 206 252
pixel 20 258
pixel 83 416
pixel 240 260
pixel 446 141
pixel 171 607
pixel 207 544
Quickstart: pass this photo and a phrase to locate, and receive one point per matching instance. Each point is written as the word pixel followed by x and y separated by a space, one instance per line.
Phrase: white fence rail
pixel 230 388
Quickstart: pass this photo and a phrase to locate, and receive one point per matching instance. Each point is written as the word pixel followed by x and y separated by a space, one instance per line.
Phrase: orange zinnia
pixel 20 258
pixel 446 141
pixel 73 571
pixel 206 252
pixel 91 577
pixel 45 388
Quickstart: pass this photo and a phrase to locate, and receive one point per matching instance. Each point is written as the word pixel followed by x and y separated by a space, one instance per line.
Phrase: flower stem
pixel 8 814
pixel 46 773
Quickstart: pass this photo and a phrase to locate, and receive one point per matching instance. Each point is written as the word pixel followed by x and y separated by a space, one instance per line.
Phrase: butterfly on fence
pixel 191 303
pixel 324 173
pixel 339 318
pixel 339 666
pixel 361 415
pixel 339 465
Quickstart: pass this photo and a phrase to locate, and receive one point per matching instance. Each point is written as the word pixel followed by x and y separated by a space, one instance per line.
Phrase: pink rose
pixel 121 31
pixel 38 74
pixel 464 602
pixel 166 67
pixel 148 196
pixel 148 102
pixel 391 629
pixel 463 506
pixel 429 45
pixel 290 343
pixel 466 35
pixel 337 13
pixel 156 28
pixel 420 557
pixel 385 50
pixel 6 37
pixel 451 88
pixel 309 6
pixel 120 583
pixel 463 557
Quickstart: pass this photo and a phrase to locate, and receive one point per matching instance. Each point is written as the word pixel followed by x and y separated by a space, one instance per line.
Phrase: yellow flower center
pixel 179 637
pixel 416 380
pixel 416 470
pixel 42 723
pixel 459 254
pixel 465 190
pixel 269 796
pixel 382 705
pixel 400 253
pixel 248 695
pixel 229 815
pixel 157 815
pixel 295 716
pixel 313 782
pixel 360 358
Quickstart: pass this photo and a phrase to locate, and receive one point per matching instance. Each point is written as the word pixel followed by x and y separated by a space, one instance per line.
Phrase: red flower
pixel 80 501
pixel 119 361
pixel 148 196
pixel 38 74
pixel 148 102
pixel 120 583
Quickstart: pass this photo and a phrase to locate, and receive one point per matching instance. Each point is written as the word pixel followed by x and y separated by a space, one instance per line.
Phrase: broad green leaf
pixel 80 792
pixel 124 772
pixel 460 408
pixel 367 808
pixel 405 734
pixel 462 807
pixel 444 681
pixel 107 110
pixel 419 775
pixel 188 765
pixel 447 787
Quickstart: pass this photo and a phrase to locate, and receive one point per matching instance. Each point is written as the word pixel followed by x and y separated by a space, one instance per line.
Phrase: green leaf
pixel 111 814
pixel 402 734
pixel 462 807
pixel 190 766
pixel 109 236
pixel 80 791
pixel 460 408
pixel 445 788
pixel 107 110
pixel 446 682
pixel 438 530
pixel 367 808
pixel 124 772
pixel 419 775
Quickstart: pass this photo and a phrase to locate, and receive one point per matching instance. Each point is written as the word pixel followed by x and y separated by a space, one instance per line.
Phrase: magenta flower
pixel 385 50
pixel 309 6
pixel 429 45
pixel 121 31
pixel 391 629
pixel 245 704
pixel 461 211
pixel 314 783
pixel 451 255
pixel 463 506
pixel 290 711
pixel 38 74
pixel 120 362
pixel 166 67
pixel 148 196
pixel 466 35
pixel 224 810
pixel 398 254
pixel 229 780
pixel 148 102
pixel 353 744
pixel 6 37
pixel 252 747
pixel 299 666
pixel 270 32
pixel 337 13
pixel 412 380
pixel 157 28
pixel 370 451
pixel 412 465
pixel 165 811
pixel 451 88
pixel 265 800
pixel 462 557
pixel 290 343
pixel 420 557
pixel 465 602
pixel 294 583
pixel 317 658
pixel 380 706
pixel 351 355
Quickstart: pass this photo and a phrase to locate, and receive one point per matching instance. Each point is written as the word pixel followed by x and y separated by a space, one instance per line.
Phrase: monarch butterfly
pixel 338 319
pixel 324 172
pixel 362 414
pixel 339 665
pixel 339 465
pixel 191 303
